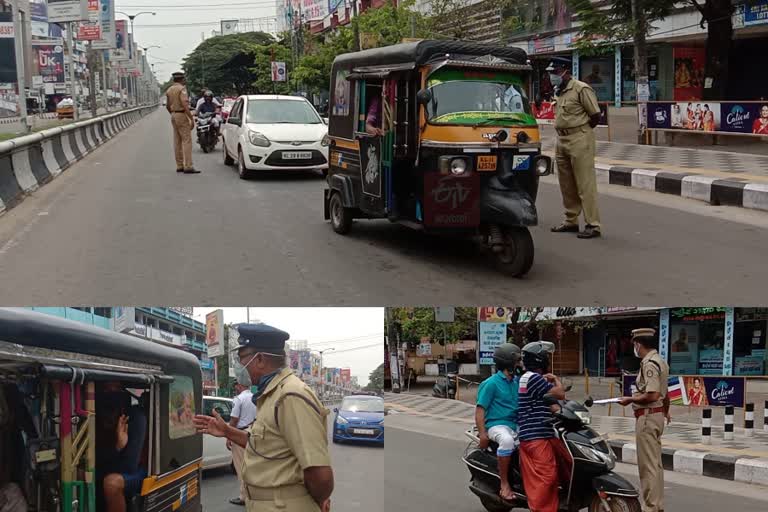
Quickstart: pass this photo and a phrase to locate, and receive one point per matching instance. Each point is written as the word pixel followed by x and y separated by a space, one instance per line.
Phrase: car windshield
pixel 478 98
pixel 281 112
pixel 363 405
pixel 228 103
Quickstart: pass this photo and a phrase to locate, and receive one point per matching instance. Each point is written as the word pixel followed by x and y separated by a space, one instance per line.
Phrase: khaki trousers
pixel 238 454
pixel 575 157
pixel 292 503
pixel 182 140
pixel 648 437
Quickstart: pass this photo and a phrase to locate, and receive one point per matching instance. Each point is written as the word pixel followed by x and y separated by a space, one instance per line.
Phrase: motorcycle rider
pixel 208 104
pixel 496 411
pixel 539 447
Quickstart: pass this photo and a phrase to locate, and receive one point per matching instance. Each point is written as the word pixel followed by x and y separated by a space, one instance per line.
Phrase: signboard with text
pixel 214 332
pixel 49 62
pixel 107 24
pixel 61 11
pixel 699 391
pixel 710 116
pixel 492 334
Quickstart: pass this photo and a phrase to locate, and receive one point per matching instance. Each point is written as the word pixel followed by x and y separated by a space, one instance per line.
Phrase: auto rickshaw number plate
pixel 486 163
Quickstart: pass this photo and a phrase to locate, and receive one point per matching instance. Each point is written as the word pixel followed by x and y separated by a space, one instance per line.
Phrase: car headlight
pixel 258 139
pixel 584 416
pixel 341 420
pixel 326 140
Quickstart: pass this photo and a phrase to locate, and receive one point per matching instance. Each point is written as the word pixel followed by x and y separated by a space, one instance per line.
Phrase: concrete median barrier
pixel 30 161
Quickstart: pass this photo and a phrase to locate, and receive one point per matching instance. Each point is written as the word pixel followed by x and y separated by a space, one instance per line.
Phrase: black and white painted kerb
pixel 749 420
pixel 765 417
pixel 728 423
pixel 745 469
pixel 706 426
pixel 31 161
pixel 716 191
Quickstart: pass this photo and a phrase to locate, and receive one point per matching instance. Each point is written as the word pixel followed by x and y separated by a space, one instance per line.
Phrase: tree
pixel 418 323
pixel 376 380
pixel 717 14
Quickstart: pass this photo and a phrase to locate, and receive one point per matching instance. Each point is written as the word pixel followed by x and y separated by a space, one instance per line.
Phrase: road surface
pixel 425 472
pixel 122 227
pixel 358 473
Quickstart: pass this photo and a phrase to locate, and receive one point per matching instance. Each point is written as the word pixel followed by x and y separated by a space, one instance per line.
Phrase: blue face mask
pixel 260 386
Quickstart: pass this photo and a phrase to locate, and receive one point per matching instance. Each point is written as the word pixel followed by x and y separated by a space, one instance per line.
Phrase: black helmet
pixel 208 94
pixel 536 355
pixel 506 356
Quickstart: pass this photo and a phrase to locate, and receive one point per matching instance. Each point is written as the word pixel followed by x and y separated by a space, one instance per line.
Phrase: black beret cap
pixel 262 337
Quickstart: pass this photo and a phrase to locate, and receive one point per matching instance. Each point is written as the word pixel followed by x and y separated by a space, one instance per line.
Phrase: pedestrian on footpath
pixel 577 113
pixel 242 417
pixel 286 467
pixel 651 406
pixel 177 104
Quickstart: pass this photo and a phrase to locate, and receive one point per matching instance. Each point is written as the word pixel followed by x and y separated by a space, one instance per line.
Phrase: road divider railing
pixel 30 161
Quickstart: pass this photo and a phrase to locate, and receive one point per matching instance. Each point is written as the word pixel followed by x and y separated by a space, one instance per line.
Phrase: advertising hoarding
pixel 214 332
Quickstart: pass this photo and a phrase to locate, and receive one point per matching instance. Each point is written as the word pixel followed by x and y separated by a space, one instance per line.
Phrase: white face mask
pixel 555 79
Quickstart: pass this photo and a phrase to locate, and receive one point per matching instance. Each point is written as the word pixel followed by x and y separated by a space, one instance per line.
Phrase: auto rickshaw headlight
pixel 458 166
pixel 543 165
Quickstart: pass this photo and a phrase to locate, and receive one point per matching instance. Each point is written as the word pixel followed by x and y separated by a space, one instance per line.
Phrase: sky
pixel 179 25
pixel 357 334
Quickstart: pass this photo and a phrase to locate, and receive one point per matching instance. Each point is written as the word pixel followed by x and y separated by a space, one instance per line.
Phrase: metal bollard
pixel 728 433
pixel 765 416
pixel 749 420
pixel 706 426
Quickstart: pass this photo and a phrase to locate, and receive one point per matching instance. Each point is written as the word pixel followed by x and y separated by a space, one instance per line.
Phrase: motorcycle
pixel 591 482
pixel 206 132
pixel 445 387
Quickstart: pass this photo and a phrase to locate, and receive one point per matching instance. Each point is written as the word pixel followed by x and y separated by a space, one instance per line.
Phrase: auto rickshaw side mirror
pixel 423 97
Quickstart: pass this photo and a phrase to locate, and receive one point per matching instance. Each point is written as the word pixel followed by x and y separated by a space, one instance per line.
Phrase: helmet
pixel 536 355
pixel 208 94
pixel 506 356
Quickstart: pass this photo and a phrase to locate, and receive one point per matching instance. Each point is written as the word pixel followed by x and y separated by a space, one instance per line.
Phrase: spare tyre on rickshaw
pixel 438 136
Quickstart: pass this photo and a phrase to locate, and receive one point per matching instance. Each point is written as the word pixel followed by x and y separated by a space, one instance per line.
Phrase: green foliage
pixel 418 323
pixel 261 72
pixel 376 380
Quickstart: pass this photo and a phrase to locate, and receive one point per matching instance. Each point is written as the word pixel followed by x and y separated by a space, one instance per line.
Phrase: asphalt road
pixel 425 472
pixel 358 474
pixel 121 227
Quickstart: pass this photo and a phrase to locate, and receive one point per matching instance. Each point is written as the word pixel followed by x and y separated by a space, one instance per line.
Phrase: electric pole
pixel 355 27
pixel 641 64
pixel 394 360
pixel 19 46
pixel 322 374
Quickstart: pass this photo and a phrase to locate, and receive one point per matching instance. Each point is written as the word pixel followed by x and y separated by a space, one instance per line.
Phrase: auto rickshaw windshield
pixel 468 97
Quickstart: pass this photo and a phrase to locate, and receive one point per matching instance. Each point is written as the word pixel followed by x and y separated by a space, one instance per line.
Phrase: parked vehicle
pixel 215 451
pixel 445 387
pixel 65 109
pixel 52 368
pixel 592 482
pixel 275 133
pixel 207 136
pixel 360 418
pixel 460 151
pixel 226 107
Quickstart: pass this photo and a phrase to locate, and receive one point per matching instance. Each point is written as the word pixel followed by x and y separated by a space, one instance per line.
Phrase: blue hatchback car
pixel 361 419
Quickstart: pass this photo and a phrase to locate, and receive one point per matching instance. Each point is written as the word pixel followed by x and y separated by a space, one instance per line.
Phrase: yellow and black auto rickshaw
pixel 52 375
pixel 438 136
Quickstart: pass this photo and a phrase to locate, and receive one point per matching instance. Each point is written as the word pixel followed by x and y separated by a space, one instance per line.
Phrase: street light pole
pixel 18 35
pixel 132 17
pixel 322 377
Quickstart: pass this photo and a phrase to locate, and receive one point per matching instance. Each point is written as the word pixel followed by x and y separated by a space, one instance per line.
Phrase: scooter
pixel 443 390
pixel 206 133
pixel 592 482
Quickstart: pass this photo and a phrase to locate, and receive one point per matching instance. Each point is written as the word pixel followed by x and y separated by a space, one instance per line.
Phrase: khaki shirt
pixel 575 105
pixel 653 376
pixel 277 455
pixel 177 98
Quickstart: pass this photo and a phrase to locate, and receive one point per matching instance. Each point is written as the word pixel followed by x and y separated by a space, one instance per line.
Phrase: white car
pixel 215 452
pixel 275 133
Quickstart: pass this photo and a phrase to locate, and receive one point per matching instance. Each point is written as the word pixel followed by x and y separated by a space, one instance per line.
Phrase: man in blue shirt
pixel 538 443
pixel 496 411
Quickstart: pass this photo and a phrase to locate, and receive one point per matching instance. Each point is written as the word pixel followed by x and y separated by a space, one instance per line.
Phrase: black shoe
pixel 179 170
pixel 590 232
pixel 566 228
pixel 237 501
pixel 191 171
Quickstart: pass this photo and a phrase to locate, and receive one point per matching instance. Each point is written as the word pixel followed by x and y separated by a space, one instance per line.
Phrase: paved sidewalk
pixel 743 458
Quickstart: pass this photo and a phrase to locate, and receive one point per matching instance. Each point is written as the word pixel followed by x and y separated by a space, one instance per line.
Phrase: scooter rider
pixel 539 446
pixel 208 104
pixel 496 411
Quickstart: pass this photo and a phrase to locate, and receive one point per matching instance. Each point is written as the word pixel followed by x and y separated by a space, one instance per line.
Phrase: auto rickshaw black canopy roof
pixel 30 328
pixel 423 52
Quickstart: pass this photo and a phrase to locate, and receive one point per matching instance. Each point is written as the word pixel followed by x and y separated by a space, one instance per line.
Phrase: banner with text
pixel 107 23
pixel 729 117
pixel 699 391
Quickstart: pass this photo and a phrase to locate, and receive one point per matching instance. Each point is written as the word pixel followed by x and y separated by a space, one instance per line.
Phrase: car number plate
pixel 486 163
pixel 297 155
pixel 365 431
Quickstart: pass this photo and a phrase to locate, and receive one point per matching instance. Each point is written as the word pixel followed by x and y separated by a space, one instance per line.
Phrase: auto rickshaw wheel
pixel 516 258
pixel 341 217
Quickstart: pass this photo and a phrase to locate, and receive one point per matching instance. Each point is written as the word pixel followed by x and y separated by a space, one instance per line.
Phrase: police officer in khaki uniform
pixel 177 104
pixel 576 114
pixel 287 467
pixel 651 406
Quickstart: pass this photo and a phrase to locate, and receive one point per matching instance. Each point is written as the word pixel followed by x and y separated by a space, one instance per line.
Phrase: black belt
pixel 569 131
pixel 179 111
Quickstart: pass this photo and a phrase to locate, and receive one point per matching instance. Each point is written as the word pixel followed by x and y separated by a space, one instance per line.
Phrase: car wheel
pixel 341 217
pixel 228 160
pixel 241 170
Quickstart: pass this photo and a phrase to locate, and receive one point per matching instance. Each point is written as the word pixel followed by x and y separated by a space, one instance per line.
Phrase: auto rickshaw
pixel 458 151
pixel 51 371
pixel 65 109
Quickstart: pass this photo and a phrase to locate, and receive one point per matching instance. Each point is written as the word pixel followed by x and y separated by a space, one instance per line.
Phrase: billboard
pixel 49 62
pixel 709 116
pixel 689 73
pixel 214 332
pixel 61 11
pixel 107 24
pixel 492 334
pixel 699 391
pixel 346 375
pixel 229 27
pixel 120 52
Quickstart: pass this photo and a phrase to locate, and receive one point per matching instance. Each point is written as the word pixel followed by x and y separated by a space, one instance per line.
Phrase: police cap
pixel 178 74
pixel 262 337
pixel 643 333
pixel 559 63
